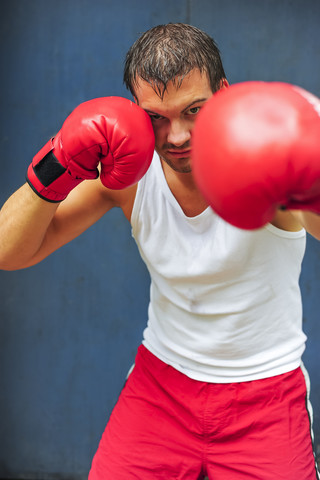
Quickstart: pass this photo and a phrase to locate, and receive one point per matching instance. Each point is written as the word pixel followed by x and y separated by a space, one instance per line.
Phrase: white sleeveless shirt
pixel 225 304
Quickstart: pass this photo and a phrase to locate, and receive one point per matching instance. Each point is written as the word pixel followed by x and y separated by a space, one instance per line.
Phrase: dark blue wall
pixel 70 326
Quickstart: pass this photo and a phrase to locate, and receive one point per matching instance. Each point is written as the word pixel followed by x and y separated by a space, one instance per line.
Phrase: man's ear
pixel 224 83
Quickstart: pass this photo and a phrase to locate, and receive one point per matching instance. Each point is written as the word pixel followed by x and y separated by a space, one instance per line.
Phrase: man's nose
pixel 178 133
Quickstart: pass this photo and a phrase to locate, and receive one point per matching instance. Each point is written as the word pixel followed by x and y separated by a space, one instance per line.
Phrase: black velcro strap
pixel 48 169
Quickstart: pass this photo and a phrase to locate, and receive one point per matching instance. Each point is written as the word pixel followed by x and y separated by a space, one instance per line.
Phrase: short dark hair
pixel 168 53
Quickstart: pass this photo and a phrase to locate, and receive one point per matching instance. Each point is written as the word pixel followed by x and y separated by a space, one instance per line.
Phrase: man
pixel 217 388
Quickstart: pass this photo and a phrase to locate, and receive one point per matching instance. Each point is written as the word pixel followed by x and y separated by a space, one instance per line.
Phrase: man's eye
pixel 193 110
pixel 155 117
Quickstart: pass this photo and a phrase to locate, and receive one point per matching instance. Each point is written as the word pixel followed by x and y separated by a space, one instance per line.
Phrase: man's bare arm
pixel 32 228
pixel 309 220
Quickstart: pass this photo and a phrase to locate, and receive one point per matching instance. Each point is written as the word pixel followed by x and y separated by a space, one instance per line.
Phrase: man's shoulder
pixel 123 198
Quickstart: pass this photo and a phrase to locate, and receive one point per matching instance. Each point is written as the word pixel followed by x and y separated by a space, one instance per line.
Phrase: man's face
pixel 173 116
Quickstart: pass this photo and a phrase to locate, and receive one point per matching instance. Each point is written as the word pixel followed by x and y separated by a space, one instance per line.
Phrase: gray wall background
pixel 70 326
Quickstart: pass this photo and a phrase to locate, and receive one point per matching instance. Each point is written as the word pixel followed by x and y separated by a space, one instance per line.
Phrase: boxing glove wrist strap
pixel 48 178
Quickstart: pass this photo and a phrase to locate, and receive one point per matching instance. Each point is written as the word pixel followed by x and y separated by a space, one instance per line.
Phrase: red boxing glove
pixel 256 148
pixel 110 130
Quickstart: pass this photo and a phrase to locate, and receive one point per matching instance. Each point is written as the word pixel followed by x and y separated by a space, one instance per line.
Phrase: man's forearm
pixel 24 220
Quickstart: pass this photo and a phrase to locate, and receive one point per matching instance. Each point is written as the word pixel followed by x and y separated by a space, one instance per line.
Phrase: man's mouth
pixel 179 153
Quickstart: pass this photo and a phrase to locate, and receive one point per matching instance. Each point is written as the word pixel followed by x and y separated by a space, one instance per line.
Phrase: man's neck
pixel 185 191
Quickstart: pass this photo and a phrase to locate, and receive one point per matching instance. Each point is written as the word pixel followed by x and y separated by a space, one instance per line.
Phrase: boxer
pixel 218 388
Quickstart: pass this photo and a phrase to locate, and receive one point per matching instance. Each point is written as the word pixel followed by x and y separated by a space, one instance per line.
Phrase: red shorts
pixel 167 426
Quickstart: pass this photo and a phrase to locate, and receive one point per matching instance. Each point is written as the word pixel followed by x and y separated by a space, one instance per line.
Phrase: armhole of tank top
pixel 285 233
pixel 139 196
pixel 137 205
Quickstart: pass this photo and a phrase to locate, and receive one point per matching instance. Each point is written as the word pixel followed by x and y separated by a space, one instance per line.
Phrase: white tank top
pixel 225 304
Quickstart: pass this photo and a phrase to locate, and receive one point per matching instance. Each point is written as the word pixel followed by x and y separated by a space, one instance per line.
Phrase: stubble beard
pixel 182 165
pixel 182 169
